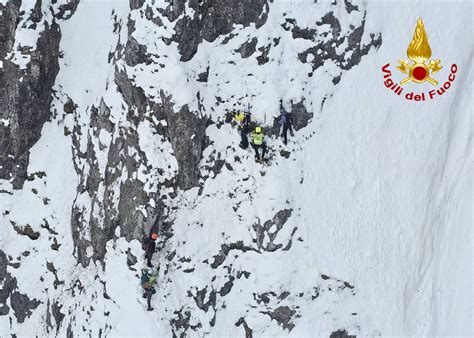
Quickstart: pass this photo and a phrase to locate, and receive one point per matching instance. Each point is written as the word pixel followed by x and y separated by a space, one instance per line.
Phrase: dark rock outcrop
pixel 134 52
pixel 66 10
pixel 27 231
pixel 57 314
pixel 264 230
pixel 283 315
pixel 21 304
pixel 341 334
pixel 187 132
pixel 327 49
pixel 24 104
pixel 181 323
pixel 135 4
pixel 248 330
pixel 247 48
pixel 110 207
pixel 225 249
pixel 211 19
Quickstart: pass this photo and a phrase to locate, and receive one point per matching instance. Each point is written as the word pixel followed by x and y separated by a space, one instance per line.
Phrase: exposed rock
pixel 21 304
pixel 57 314
pixel 247 48
pixel 283 315
pixel 49 325
pixel 69 333
pixel 225 249
pixel 347 285
pixel 36 14
pixel 69 107
pixel 45 225
pixel 150 16
pixel 181 323
pixel 135 4
pixel 187 132
pixel 327 49
pixel 115 207
pixel 263 57
pixel 24 104
pixel 298 32
pixel 316 293
pixel 265 236
pixel 281 217
pixel 200 297
pixel 350 7
pixel 301 116
pixel 285 153
pixel 202 77
pixel 215 163
pixel 51 268
pixel 8 284
pixel 134 52
pixel 131 259
pixel 248 330
pixel 264 297
pixel 10 13
pixel 66 10
pixel 283 295
pixel 55 245
pixel 341 334
pixel 227 287
pixel 27 231
pixel 212 18
pixel 133 96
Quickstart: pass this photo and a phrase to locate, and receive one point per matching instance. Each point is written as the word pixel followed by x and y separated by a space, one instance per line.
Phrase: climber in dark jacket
pixel 149 246
pixel 286 123
pixel 243 120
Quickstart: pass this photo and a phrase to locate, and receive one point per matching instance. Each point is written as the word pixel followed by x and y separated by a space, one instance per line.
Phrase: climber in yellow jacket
pixel 258 141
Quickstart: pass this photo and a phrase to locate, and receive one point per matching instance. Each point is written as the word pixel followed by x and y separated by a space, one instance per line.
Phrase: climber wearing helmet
pixel 259 142
pixel 243 121
pixel 149 246
pixel 148 281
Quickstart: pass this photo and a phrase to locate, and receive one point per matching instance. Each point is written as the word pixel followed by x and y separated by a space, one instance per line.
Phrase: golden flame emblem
pixel 419 51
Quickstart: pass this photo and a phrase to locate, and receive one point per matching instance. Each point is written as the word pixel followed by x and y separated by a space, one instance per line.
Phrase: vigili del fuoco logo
pixel 419 71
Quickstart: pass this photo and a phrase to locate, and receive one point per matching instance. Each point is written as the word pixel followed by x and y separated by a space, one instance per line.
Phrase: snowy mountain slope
pixel 356 230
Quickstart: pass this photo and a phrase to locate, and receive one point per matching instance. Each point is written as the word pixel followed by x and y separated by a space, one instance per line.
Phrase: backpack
pixel 146 243
pixel 145 280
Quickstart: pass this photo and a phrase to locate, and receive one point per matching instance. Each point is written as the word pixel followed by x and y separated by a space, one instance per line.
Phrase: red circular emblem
pixel 419 73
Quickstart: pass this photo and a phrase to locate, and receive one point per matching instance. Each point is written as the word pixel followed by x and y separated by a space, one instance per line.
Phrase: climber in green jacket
pixel 258 141
pixel 148 280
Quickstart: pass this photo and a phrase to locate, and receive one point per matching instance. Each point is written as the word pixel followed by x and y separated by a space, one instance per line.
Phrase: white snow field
pixel 380 187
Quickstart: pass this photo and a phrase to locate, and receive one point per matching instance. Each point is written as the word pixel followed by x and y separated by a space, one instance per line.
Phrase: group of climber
pixel 257 137
pixel 149 276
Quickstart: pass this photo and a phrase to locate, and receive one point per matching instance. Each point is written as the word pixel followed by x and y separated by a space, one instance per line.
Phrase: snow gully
pixel 413 96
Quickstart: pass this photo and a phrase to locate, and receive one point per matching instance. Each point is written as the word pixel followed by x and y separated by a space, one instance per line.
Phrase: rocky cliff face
pixel 142 140
pixel 209 20
pixel 26 92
